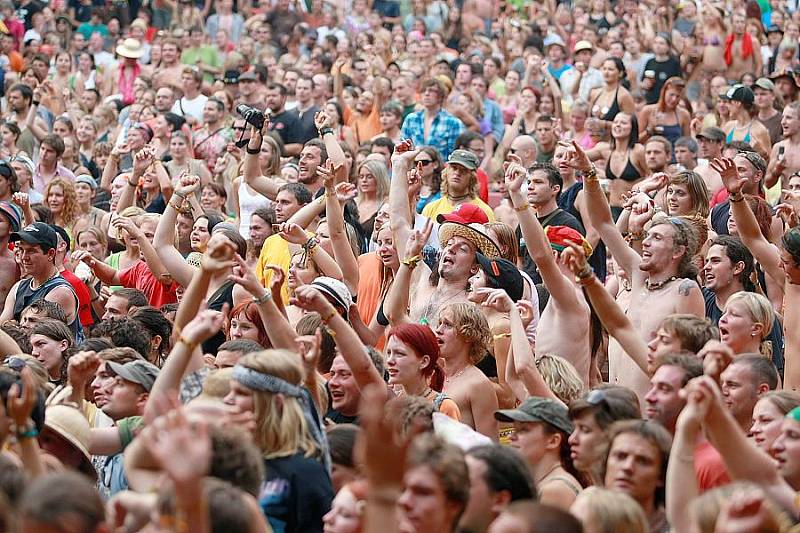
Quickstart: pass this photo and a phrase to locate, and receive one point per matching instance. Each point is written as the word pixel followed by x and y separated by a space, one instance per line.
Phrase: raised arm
pixel 395 306
pixel 600 212
pixel 111 169
pixel 164 240
pixel 746 223
pixel 335 181
pixel 560 288
pixel 350 346
pixel 400 212
pixel 104 272
pixel 266 185
pixel 611 315
pixel 151 257
pixel 791 349
pixel 294 234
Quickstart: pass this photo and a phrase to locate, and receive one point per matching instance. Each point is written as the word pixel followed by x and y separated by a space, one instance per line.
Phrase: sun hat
pixel 474 233
pixel 336 290
pixel 130 48
pixel 71 425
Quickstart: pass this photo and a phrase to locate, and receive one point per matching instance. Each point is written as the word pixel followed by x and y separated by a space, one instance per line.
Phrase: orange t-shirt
pixel 364 128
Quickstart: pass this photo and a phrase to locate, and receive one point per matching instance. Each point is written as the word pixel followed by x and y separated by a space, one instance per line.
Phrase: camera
pixel 251 115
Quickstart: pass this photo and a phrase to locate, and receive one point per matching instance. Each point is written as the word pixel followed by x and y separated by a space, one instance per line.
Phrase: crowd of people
pixel 417 266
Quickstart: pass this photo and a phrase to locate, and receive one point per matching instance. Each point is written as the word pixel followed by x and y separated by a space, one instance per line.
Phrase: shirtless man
pixel 662 278
pixel 740 63
pixel 784 160
pixel 459 243
pixel 464 383
pixel 565 319
pixel 9 272
pixel 170 71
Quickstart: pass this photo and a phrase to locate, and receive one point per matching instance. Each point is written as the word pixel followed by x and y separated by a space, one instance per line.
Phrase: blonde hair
pixel 471 325
pixel 217 383
pixel 473 181
pixel 705 509
pixel 381 175
pixel 281 428
pixel 561 377
pixel 761 312
pixel 613 511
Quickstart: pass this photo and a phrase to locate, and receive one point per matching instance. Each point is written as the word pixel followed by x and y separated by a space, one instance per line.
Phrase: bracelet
pixel 735 199
pixel 327 318
pixel 502 336
pixel 177 207
pixel 29 434
pixel 264 298
pixel 587 272
pixel 635 236
pixel 522 207
pixel 591 173
pixel 36 102
pixel 190 345
pixel 411 262
pixel 324 131
pixel 253 151
pixel 179 195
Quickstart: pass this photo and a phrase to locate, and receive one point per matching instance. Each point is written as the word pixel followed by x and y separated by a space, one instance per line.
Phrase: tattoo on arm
pixel 686 287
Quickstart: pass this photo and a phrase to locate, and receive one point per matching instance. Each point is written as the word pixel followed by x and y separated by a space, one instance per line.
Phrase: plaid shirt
pixel 442 135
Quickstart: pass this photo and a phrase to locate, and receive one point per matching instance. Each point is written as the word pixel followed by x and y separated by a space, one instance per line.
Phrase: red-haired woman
pixel 412 355
pixel 244 322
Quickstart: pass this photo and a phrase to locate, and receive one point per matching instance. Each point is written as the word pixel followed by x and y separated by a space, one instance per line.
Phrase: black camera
pixel 251 115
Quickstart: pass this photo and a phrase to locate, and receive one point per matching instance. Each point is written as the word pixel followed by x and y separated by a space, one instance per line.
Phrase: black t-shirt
pixel 26 12
pixel 284 123
pixel 664 70
pixel 714 313
pixel 720 215
pixel 558 218
pixel 296 494
pixel 304 129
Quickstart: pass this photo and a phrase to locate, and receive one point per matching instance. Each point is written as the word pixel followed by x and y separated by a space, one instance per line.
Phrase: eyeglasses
pixel 424 162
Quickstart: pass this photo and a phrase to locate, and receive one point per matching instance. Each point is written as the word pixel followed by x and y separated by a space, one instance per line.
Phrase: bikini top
pixel 729 137
pixel 610 112
pixel 629 173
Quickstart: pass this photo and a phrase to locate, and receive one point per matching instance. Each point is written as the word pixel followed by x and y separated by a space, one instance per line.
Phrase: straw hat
pixel 474 233
pixel 70 424
pixel 130 48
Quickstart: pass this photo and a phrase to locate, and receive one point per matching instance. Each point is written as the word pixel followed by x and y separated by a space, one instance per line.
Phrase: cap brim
pixel 123 372
pixel 330 292
pixel 449 217
pixel 468 166
pixel 514 415
pixel 23 236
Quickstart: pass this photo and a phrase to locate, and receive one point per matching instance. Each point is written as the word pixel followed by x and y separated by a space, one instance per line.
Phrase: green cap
pixel 535 409
pixel 465 158
pixel 794 414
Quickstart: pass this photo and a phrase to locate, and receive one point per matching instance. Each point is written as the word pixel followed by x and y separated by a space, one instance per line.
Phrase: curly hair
pixel 70 212
pixel 472 326
pixel 473 181
pixel 684 234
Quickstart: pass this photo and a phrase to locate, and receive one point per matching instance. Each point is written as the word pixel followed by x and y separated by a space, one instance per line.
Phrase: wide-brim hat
pixel 474 233
pixel 130 48
pixel 72 426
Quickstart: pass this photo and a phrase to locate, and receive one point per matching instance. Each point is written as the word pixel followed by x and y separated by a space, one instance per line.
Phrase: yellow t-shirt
pixel 275 251
pixel 443 206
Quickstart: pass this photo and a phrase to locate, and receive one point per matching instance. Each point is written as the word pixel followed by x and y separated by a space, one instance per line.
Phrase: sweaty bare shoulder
pixel 686 286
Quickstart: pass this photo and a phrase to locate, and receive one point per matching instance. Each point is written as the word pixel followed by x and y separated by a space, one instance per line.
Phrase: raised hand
pixel 322 120
pixel 404 154
pixel 526 312
pixel 310 298
pixel 641 213
pixel 22 399
pixel 143 159
pixel 515 174
pixel 204 325
pixel 127 224
pixel 788 214
pixel 85 256
pixel 82 367
pixel 497 299
pixel 345 192
pixel 242 275
pixel 574 257
pixel 121 149
pixel 219 254
pixel 418 238
pixel 578 159
pixel 21 199
pixel 292 233
pixel 726 169
pixel 174 432
pixel 308 346
pixel 187 185
pixel 716 357
pixel 278 275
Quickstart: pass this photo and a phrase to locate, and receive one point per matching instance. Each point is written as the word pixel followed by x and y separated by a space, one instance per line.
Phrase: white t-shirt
pixel 191 108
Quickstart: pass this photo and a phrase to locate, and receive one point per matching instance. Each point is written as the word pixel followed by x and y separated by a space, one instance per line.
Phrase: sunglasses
pixel 424 162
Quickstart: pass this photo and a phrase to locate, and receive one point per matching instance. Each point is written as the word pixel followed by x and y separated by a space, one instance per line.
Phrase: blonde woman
pixel 607 511
pixel 746 323
pixel 60 197
pixel 373 190
pixel 297 491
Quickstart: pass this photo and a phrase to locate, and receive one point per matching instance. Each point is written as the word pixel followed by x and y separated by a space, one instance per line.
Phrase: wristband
pixel 522 207
pixel 28 431
pixel 36 102
pixel 736 198
pixel 253 151
pixel 324 131
pixel 587 272
pixel 635 236
pixel 411 262
pixel 591 173
pixel 179 195
pixel 327 318
pixel 190 345
pixel 264 298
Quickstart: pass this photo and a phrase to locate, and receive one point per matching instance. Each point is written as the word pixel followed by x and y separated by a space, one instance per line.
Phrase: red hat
pixel 465 214
pixel 561 236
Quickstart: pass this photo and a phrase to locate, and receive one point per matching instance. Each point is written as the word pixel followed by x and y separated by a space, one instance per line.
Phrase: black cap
pixel 64 235
pixel 502 274
pixel 231 77
pixel 37 233
pixel 741 93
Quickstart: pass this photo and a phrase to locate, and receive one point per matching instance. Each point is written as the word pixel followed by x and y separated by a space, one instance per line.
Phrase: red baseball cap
pixel 465 214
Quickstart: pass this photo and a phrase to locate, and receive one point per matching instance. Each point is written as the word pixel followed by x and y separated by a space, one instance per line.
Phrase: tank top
pixel 248 202
pixel 26 295
pixel 672 132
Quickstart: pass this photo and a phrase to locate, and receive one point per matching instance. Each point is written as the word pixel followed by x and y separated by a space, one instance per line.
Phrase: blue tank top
pixel 27 295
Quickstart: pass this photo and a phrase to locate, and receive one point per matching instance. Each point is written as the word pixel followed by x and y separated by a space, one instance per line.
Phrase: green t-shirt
pixel 208 55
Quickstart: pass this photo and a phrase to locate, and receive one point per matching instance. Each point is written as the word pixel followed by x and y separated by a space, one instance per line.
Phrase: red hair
pixel 422 340
pixel 250 311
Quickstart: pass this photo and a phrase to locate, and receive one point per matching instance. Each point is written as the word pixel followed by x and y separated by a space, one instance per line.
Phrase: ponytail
pixel 436 379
